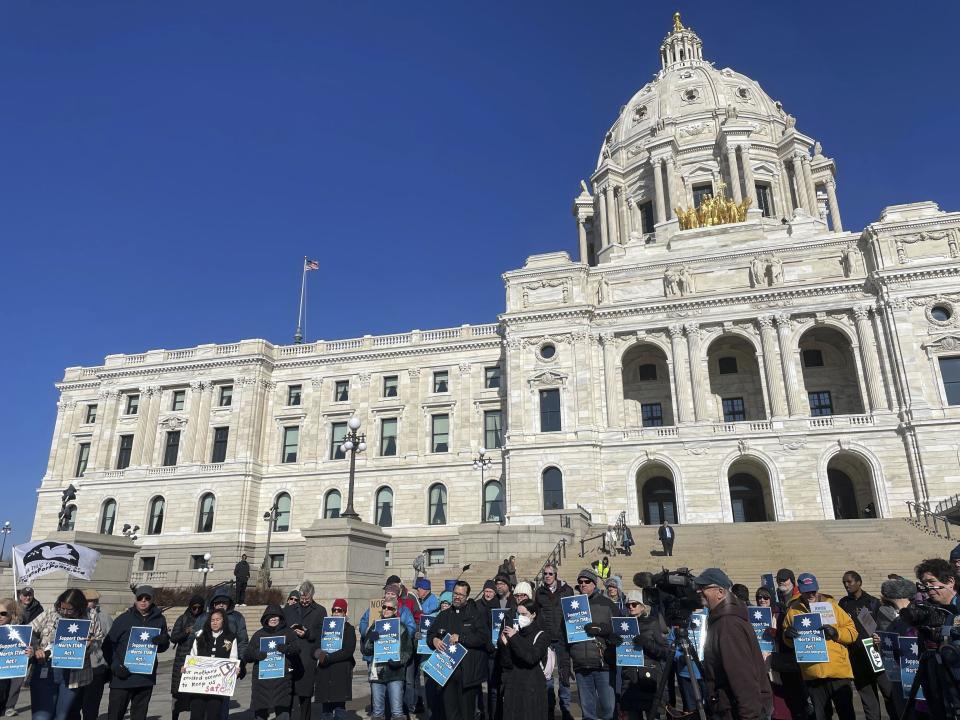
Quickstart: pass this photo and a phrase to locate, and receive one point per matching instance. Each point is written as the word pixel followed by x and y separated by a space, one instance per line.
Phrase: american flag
pixel 310 264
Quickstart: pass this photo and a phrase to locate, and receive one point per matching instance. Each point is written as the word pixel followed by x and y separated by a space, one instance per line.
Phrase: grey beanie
pixel 590 575
pixel 898 589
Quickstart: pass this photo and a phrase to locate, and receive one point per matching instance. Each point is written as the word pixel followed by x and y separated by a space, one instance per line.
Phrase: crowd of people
pixel 523 671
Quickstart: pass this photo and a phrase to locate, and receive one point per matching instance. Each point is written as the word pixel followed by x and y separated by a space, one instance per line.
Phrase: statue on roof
pixel 677 25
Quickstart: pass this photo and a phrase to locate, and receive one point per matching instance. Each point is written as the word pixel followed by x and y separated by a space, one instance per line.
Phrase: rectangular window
pixel 341 391
pixel 733 410
pixel 390 386
pixel 550 410
pixel 491 377
pixel 812 358
pixel 220 437
pixel 338 431
pixel 172 448
pixel 293 394
pixel 764 199
pixel 91 414
pixel 226 395
pixel 439 433
pixel 133 404
pixel 277 561
pixel 950 372
pixel 179 398
pixel 646 218
pixel 123 454
pixel 701 191
pixel 388 436
pixel 291 441
pixel 148 564
pixel 83 456
pixel 440 381
pixel 727 365
pixel 436 556
pixel 820 403
pixel 652 414
pixel 197 562
pixel 492 434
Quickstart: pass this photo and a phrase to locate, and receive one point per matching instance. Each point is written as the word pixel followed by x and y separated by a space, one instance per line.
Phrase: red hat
pixel 340 604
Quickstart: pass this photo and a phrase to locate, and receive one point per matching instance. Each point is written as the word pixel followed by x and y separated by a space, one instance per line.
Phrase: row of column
pixel 798 183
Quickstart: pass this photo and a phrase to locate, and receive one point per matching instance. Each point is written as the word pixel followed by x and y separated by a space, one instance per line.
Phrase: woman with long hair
pixel 214 640
pixel 9 613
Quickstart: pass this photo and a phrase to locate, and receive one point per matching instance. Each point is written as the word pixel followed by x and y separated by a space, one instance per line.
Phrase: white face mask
pixel 524 621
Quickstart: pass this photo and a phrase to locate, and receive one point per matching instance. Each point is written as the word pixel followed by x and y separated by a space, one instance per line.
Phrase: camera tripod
pixel 688 658
pixel 940 689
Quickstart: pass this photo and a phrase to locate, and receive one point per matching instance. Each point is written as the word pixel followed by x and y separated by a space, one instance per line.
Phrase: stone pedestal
pixel 345 558
pixel 111 577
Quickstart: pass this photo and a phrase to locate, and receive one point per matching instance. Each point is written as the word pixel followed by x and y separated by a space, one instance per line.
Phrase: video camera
pixel 939 673
pixel 677 593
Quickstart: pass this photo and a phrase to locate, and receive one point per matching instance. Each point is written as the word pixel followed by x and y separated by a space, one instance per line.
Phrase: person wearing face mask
pixel 334 686
pixel 182 638
pixel 8 616
pixel 639 689
pixel 521 654
pixel 272 695
pixel 214 640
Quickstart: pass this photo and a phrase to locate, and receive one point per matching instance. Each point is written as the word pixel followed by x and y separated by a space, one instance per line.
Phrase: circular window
pixel 547 351
pixel 940 313
pixel 690 95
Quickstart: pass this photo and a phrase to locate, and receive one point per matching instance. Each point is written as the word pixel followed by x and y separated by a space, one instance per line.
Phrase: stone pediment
pixel 547 378
pixel 947 343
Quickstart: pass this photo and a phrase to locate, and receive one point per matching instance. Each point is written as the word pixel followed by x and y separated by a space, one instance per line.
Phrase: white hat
pixel 523 588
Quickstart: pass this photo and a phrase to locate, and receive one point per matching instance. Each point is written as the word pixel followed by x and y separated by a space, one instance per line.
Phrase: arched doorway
pixel 842 495
pixel 851 483
pixel 647 390
pixel 747 498
pixel 735 384
pixel 656 494
pixel 829 372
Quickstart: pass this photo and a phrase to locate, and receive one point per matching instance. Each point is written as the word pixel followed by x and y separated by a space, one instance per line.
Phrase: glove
pixel 791 633
pixel 373 635
pixel 394 664
pixel 121 672
pixel 161 639
pixel 243 671
pixel 616 640
pixel 320 655
pixel 258 654
pixel 593 630
pixel 830 632
pixel 281 648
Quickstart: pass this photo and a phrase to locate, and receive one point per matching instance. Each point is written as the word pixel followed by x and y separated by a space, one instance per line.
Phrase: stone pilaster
pixel 311 425
pixel 107 430
pixel 145 440
pixel 834 207
pixel 671 187
pixel 871 363
pixel 610 384
pixel 203 397
pixel 612 230
pixel 734 173
pixel 795 400
pixel 602 202
pixel 67 414
pixel 772 367
pixel 658 204
pixel 462 436
pixel 698 382
pixel 681 377
pixel 191 437
pixel 412 428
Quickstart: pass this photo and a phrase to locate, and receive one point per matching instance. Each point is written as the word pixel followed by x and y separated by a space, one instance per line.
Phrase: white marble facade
pixel 685 365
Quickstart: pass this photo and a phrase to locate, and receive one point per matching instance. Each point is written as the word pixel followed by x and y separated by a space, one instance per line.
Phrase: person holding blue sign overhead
pixel 828 683
pixel 334 685
pixel 272 649
pixel 522 655
pixel 55 690
pixel 386 678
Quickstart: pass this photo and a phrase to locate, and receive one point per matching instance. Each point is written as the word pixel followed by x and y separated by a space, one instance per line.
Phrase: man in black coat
pixel 864 678
pixel 550 618
pixel 468 627
pixel 667 536
pixel 306 620
pixel 241 573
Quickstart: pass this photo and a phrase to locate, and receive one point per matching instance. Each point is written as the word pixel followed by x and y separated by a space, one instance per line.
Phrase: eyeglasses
pixel 460 595
pixel 141 598
pixel 387 607
pixel 701 588
pixel 633 604
pixel 547 572
pixel 4 613
pixel 584 581
pixel 339 610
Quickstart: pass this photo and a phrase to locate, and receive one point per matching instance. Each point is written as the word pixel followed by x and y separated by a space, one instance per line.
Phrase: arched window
pixel 155 520
pixel 331 505
pixel 108 516
pixel 69 521
pixel 205 518
pixel 552 489
pixel 281 522
pixel 493 501
pixel 746 499
pixel 438 505
pixel 385 507
pixel 659 501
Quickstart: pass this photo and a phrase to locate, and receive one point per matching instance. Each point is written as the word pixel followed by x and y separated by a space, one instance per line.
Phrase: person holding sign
pixel 334 686
pixel 15 648
pixel 271 649
pixel 522 655
pixel 859 604
pixel 895 595
pixel 59 634
pixel 182 638
pixel 387 677
pixel 216 641
pixel 592 654
pixel 828 683
pixel 639 684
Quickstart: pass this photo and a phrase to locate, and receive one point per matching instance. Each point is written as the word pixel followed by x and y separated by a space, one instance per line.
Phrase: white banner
pixel 209 675
pixel 38 558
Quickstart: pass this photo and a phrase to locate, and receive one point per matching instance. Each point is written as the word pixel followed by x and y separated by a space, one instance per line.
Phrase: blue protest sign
pixel 889 647
pixel 762 620
pixel 628 654
pixel 498 617
pixel 810 645
pixel 14 639
pixel 273 667
pixel 441 665
pixel 141 653
pixel 332 639
pixel 910 650
pixel 576 614
pixel 387 646
pixel 767 580
pixel 698 631
pixel 69 644
pixel 426 622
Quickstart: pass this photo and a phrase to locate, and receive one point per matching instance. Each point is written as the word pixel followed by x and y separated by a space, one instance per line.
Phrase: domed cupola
pixel 681 47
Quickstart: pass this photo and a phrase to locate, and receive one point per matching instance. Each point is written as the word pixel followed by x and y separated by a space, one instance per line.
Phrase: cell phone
pixel 297 626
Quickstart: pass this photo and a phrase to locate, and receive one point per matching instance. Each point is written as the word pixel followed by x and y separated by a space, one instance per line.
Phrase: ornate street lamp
pixel 481 462
pixel 68 496
pixel 130 531
pixel 353 442
pixel 205 569
pixel 270 517
pixel 6 530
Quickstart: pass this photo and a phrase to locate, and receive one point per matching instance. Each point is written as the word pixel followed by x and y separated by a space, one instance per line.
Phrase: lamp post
pixel 6 530
pixel 481 462
pixel 130 531
pixel 270 518
pixel 205 569
pixel 353 442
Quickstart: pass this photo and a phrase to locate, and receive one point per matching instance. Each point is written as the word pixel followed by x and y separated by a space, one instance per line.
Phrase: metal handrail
pixel 922 517
pixel 603 540
pixel 555 557
pixel 948 503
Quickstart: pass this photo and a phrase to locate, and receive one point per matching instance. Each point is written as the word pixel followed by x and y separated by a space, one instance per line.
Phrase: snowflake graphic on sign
pixel 758 615
pixel 887 642
pixel 387 627
pixel 14 635
pixel 499 616
pixel 805 622
pixel 914 650
pixel 426 623
pixel 73 627
pixel 272 644
pixel 575 605
pixel 144 635
pixel 624 626
pixel 332 624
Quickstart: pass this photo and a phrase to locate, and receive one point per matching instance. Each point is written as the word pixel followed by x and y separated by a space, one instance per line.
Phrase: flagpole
pixel 298 336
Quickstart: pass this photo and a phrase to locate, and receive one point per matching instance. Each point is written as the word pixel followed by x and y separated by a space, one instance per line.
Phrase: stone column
pixel 794 399
pixel 612 229
pixel 658 191
pixel 602 202
pixel 107 420
pixel 204 394
pixel 800 186
pixel 787 207
pixel 610 384
pixel 145 440
pixel 67 415
pixel 871 362
pixel 412 444
pixel 734 173
pixel 811 187
pixel 701 409
pixel 751 188
pixel 771 365
pixel 671 188
pixel 582 234
pixel 680 376
pixel 834 207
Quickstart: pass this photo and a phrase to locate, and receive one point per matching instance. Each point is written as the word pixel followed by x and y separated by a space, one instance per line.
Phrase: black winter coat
pixel 278 692
pixel 734 671
pixel 311 618
pixel 523 687
pixel 115 645
pixel 335 670
pixel 859 662
pixel 474 630
pixel 640 683
pixel 550 615
pixel 30 612
pixel 596 653
pixel 182 638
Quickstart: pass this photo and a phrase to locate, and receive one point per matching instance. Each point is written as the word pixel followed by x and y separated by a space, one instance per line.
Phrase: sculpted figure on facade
pixel 849 260
pixel 671 282
pixel 758 272
pixel 685 281
pixel 776 271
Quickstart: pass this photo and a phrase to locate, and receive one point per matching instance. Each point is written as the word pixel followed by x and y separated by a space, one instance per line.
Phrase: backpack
pixel 550 662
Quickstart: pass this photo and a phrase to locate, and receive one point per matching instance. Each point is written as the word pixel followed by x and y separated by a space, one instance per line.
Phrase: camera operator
pixel 940 584
pixel 895 595
pixel 733 667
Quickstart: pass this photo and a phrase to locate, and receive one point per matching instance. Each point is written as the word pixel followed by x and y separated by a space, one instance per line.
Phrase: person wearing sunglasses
pixel 182 638
pixel 594 660
pixel 387 678
pixel 639 684
pixel 334 684
pixel 129 690
pixel 551 620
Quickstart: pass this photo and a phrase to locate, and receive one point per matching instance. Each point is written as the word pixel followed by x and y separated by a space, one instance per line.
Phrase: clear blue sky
pixel 165 165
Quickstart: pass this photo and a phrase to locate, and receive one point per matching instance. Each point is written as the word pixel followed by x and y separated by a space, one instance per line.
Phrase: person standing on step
pixel 215 640
pixel 594 660
pixel 667 536
pixel 420 565
pixel 784 661
pixel 241 574
pixel 272 695
pixel 181 636
pixel 627 541
pixel 521 655
pixel 551 620
pixel 465 624
pixel 306 620
pixel 92 694
pixel 512 570
pixel 864 678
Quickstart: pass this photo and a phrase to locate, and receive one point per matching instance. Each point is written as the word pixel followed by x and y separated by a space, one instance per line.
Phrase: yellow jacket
pixel 839 664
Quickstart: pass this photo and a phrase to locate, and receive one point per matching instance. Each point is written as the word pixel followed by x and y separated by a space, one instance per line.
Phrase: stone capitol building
pixel 721 350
